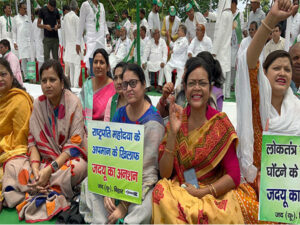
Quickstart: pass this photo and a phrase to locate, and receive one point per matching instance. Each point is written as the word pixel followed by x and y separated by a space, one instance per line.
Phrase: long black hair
pixel 104 53
pixel 52 63
pixel 15 83
pixel 217 74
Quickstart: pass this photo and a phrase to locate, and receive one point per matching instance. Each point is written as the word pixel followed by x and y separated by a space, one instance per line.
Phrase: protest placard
pixel 279 199
pixel 115 160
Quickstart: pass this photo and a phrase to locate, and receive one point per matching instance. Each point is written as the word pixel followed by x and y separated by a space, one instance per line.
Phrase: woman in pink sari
pixel 97 90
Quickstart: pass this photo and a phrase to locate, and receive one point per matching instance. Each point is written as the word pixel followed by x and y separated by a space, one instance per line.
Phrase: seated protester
pixel 276 43
pixel 295 55
pixel 200 177
pixel 99 89
pixel 121 50
pixel 118 100
pixel 98 209
pixel 57 151
pixel 178 56
pixel 155 58
pixel 216 96
pixel 265 102
pixel 13 60
pixel 143 41
pixel 200 43
pixel 15 112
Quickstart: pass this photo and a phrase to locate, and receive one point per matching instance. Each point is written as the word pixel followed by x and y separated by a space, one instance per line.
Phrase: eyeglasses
pixel 3 74
pixel 132 83
pixel 193 83
pixel 251 30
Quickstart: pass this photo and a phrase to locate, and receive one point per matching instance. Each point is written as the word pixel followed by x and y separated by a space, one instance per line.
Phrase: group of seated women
pixel 191 172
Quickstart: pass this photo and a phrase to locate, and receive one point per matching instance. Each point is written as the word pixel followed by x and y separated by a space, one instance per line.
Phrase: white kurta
pixel 145 23
pixel 295 29
pixel 127 25
pixel 142 48
pixel 154 54
pixel 4 33
pixel 94 39
pixel 191 25
pixel 222 37
pixel 38 36
pixel 153 21
pixel 197 46
pixel 121 51
pixel 22 30
pixel 179 55
pixel 234 40
pixel 69 33
pixel 258 16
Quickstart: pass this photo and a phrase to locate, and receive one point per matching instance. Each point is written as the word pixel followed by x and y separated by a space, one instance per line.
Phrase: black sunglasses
pixel 132 83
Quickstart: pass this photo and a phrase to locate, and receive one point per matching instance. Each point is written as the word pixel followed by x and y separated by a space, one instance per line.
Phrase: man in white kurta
pixel 6 24
pixel 170 25
pixel 126 22
pixel 69 33
pixel 295 24
pixel 155 58
pixel 144 22
pixel 222 40
pixel 22 30
pixel 122 49
pixel 238 25
pixel 153 17
pixel 192 20
pixel 200 43
pixel 92 20
pixel 38 36
pixel 256 14
pixel 178 56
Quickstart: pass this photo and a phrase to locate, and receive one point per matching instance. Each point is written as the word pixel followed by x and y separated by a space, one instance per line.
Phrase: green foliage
pixel 130 5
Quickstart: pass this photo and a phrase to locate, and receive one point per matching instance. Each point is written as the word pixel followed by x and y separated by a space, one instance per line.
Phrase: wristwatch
pixel 54 166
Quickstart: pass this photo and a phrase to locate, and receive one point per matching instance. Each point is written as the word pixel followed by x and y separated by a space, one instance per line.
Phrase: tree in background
pixel 130 5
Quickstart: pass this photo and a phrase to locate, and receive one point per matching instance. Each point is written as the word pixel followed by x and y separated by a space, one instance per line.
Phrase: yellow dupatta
pixel 15 112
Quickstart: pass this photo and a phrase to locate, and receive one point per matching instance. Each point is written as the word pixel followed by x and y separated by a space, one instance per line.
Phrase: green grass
pixel 10 216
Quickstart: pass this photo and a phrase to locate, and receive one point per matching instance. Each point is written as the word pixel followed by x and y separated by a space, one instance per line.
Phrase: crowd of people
pixel 43 141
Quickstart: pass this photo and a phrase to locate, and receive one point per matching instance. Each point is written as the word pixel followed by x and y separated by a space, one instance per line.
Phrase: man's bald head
pixel 295 55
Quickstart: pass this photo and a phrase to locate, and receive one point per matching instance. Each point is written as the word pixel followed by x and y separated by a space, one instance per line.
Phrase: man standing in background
pixel 71 26
pixel 153 17
pixel 22 36
pixel 51 23
pixel 92 20
pixel 256 14
pixel 6 24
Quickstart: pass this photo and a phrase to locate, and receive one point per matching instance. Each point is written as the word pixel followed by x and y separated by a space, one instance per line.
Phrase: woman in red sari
pixel 197 159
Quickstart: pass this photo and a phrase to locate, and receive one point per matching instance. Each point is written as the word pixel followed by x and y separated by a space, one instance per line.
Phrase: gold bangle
pixel 214 189
pixel 266 26
pixel 171 152
pixel 211 192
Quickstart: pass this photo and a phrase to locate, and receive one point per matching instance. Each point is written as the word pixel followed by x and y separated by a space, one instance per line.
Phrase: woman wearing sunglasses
pixel 97 90
pixel 118 100
pixel 137 111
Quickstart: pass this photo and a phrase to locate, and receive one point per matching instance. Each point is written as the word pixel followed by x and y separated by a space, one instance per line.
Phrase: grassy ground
pixel 10 216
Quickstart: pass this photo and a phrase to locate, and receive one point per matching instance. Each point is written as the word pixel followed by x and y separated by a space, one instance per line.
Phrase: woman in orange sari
pixel 197 160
